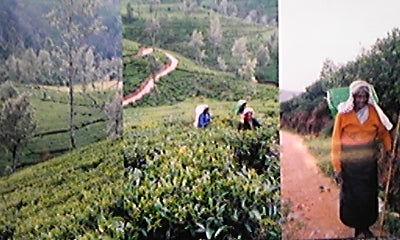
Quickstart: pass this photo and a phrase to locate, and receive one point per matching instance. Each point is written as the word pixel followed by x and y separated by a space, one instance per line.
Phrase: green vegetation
pixel 178 180
pixel 51 116
pixel 171 26
pixel 202 181
pixel 76 194
pixel 137 68
pixel 190 80
pixel 321 148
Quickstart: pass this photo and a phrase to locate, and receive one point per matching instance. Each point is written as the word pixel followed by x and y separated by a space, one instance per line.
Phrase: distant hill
pixel 285 95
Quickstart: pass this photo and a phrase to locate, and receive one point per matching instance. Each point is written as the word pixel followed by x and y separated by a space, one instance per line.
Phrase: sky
pixel 312 31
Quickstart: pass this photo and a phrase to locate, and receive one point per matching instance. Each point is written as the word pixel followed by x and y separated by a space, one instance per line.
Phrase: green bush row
pixel 212 183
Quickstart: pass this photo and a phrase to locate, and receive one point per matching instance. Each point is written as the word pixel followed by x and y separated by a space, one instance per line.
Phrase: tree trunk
pixel 71 90
pixel 14 158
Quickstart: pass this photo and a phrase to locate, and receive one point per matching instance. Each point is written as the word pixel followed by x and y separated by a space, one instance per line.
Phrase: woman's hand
pixel 338 177
pixel 391 156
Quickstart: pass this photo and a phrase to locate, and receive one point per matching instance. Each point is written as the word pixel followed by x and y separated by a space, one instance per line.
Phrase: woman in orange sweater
pixel 359 123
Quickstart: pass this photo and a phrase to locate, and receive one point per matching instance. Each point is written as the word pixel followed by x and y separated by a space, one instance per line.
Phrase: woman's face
pixel 360 99
pixel 248 115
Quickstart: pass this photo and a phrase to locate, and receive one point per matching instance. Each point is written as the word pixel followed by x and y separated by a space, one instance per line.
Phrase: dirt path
pixel 149 83
pixel 313 197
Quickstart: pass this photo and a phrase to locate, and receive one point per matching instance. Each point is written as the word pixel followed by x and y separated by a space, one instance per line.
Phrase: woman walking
pixel 359 123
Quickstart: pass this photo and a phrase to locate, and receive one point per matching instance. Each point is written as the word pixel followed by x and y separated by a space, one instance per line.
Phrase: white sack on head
pixel 199 110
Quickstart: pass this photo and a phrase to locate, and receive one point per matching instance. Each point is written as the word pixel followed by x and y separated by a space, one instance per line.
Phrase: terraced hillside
pixel 207 33
pixel 179 181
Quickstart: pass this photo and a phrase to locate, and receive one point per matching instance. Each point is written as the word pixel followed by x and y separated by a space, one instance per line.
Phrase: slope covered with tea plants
pixel 188 80
pixel 235 36
pixel 165 180
pixel 51 116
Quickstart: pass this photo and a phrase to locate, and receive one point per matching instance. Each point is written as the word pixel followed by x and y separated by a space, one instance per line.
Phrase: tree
pixel 129 12
pixel 263 55
pixel 223 7
pixel 113 110
pixel 221 63
pixel 153 6
pixel 240 52
pixel 215 33
pixel 16 125
pixel 7 90
pixel 153 64
pixel 232 10
pixel 187 6
pixel 247 70
pixel 196 43
pixel 75 20
pixel 153 27
pixel 252 16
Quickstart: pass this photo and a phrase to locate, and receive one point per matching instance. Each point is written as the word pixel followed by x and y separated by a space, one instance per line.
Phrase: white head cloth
pixel 248 110
pixel 348 105
pixel 199 110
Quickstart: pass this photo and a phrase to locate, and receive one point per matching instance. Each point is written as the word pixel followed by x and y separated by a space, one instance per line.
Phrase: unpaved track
pixel 149 83
pixel 314 197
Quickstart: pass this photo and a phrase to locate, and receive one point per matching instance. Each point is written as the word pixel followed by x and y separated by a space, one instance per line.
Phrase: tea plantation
pixel 165 180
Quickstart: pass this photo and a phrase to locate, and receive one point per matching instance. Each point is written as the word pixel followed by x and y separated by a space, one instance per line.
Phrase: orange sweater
pixel 348 130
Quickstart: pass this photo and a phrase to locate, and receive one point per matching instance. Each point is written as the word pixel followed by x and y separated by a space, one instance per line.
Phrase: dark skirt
pixel 359 191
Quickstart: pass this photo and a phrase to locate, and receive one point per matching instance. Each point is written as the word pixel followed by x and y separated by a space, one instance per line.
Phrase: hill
pixel 285 95
pixel 207 34
pixel 188 80
pixel 94 192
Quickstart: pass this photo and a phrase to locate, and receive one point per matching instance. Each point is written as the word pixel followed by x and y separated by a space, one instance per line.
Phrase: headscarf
pixel 348 105
pixel 248 110
pixel 199 110
pixel 239 105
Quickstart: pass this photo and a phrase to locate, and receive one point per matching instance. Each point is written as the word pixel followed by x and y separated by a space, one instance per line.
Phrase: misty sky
pixel 311 31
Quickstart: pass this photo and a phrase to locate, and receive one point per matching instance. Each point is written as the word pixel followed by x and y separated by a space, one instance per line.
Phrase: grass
pixel 320 147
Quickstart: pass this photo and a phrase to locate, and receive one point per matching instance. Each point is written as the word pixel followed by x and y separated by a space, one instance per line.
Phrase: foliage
pixel 189 80
pixel 77 195
pixel 16 125
pixel 51 117
pixel 87 194
pixel 204 183
pixel 28 29
pixel 7 90
pixel 176 31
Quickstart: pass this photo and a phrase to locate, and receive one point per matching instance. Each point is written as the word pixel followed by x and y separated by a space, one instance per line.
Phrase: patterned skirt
pixel 359 191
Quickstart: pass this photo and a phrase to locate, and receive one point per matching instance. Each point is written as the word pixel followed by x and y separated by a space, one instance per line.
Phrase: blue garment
pixel 204 119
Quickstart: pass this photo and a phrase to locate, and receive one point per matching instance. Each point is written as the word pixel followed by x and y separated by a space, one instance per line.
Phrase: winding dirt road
pixel 149 83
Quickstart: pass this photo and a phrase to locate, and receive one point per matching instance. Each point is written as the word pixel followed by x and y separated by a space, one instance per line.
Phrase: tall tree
pixel 215 33
pixel 113 110
pixel 153 27
pixel 7 90
pixel 197 42
pixel 187 6
pixel 16 125
pixel 75 20
pixel 240 52
pixel 247 70
pixel 223 7
pixel 129 12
